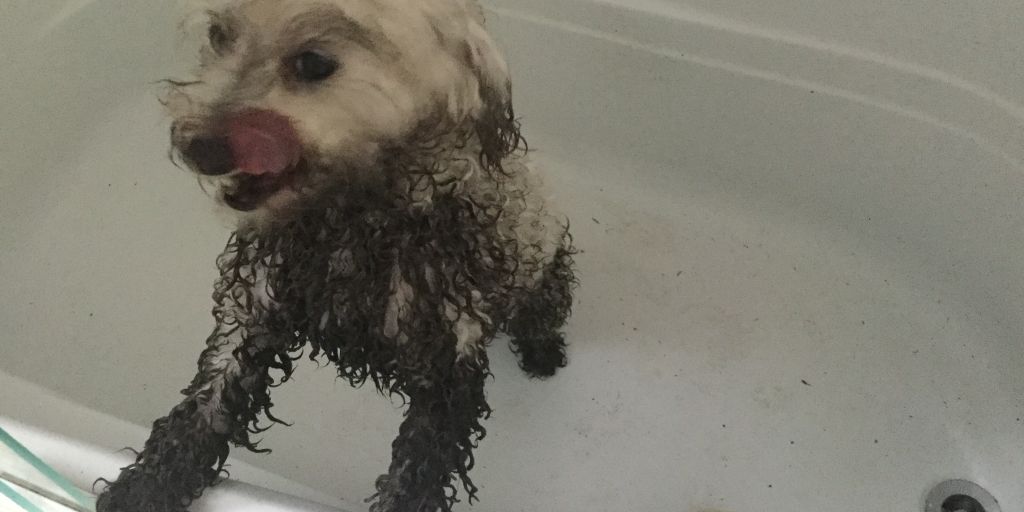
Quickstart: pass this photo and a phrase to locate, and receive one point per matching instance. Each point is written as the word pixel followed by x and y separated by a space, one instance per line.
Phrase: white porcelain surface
pixel 802 228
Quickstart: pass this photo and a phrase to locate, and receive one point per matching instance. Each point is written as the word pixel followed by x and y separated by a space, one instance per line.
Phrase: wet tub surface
pixel 801 235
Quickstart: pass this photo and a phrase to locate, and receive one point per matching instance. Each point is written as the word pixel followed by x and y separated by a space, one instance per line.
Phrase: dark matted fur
pixel 327 270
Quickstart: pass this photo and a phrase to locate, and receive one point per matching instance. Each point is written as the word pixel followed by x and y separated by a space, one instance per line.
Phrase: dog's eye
pixel 312 66
pixel 220 38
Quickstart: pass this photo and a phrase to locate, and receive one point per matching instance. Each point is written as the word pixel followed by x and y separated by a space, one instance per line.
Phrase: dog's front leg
pixel 186 450
pixel 435 441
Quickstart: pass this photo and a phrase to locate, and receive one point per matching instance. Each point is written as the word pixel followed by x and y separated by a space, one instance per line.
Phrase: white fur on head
pixel 401 62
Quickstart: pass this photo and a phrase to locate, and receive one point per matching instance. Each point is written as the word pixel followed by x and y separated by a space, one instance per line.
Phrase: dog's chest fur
pixel 384 283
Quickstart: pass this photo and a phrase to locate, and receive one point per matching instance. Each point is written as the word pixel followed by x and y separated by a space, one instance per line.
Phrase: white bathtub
pixel 803 277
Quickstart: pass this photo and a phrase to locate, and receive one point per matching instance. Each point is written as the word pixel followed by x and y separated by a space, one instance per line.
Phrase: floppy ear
pixel 496 126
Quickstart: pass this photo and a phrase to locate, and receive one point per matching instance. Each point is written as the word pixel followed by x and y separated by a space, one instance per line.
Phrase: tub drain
pixel 960 496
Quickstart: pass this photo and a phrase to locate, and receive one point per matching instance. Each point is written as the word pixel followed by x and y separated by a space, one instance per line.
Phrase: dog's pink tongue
pixel 263 142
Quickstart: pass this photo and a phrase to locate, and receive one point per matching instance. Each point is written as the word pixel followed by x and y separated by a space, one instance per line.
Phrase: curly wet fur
pixel 416 236
pixel 328 272
pixel 539 316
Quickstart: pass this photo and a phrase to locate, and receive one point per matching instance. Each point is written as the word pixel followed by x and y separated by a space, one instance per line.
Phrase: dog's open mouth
pixel 258 150
pixel 246 192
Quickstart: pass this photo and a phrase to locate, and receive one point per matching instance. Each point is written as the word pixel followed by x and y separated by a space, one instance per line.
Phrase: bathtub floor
pixel 720 360
pixel 743 340
pixel 725 361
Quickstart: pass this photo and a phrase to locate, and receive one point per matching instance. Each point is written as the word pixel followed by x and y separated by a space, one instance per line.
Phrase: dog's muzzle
pixel 211 156
pixel 253 142
pixel 259 149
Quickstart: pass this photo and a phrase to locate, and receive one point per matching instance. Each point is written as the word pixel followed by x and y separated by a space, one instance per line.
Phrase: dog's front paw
pixel 540 357
pixel 139 491
pixel 395 494
pixel 129 497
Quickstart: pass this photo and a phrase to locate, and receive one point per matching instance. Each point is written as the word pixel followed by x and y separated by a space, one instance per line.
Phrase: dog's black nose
pixel 211 156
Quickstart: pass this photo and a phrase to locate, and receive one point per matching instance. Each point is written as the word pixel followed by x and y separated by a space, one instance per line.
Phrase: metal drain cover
pixel 960 496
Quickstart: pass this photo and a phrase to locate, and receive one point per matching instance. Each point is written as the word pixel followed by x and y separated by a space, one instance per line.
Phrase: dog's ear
pixel 496 126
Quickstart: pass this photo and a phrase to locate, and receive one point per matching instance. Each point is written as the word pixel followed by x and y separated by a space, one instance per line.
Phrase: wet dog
pixel 387 223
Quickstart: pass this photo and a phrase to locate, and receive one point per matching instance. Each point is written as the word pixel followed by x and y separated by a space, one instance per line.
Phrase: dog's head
pixel 294 95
